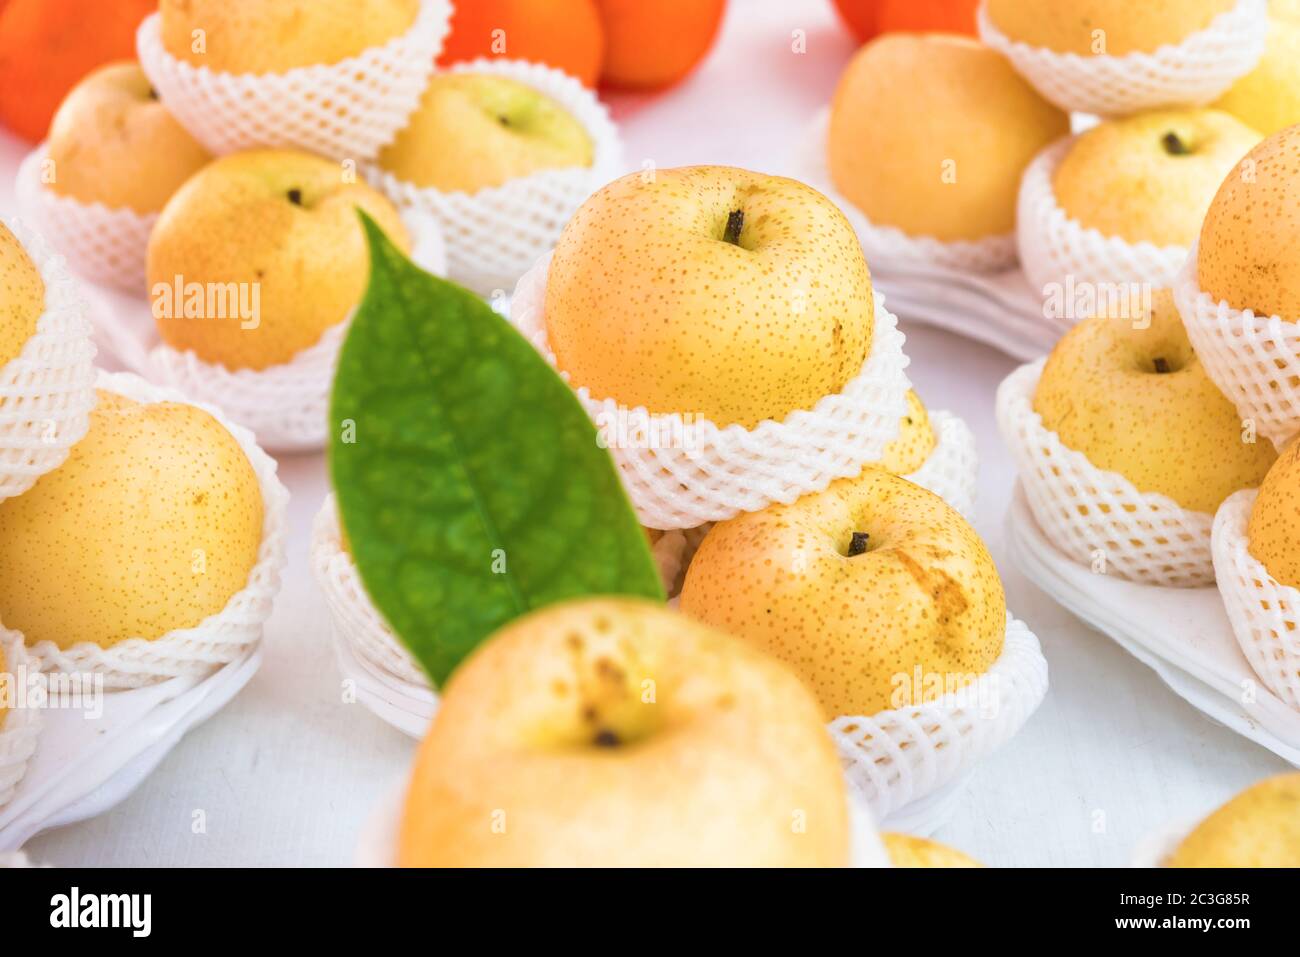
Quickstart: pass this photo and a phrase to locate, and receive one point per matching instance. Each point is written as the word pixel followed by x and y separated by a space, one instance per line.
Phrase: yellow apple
pixel 1260 827
pixel 711 291
pixel 855 588
pixel 930 133
pixel 916 439
pixel 254 36
pixel 473 130
pixel 152 524
pixel 1151 176
pixel 279 230
pixel 1268 97
pixel 112 142
pixel 22 296
pixel 1137 401
pixel 908 851
pixel 1248 255
pixel 1103 27
pixel 1273 529
pixel 614 732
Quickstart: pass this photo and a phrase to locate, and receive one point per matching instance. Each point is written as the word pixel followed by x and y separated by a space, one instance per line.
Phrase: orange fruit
pixel 869 18
pixel 652 44
pixel 46 46
pixel 565 34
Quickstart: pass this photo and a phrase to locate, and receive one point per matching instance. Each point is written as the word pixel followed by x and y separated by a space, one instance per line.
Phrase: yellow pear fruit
pixel 1248 255
pixel 1268 97
pixel 1137 401
pixel 473 131
pixel 1260 827
pixel 254 36
pixel 856 588
pixel 1151 176
pixel 277 233
pixel 1103 27
pixel 1273 528
pixel 907 851
pixel 916 439
pixel 710 291
pixel 614 732
pixel 930 133
pixel 113 142
pixel 22 296
pixel 152 524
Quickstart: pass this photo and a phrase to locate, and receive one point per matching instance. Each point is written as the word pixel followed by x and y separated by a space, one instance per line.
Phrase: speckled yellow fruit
pixel 1260 827
pixel 1096 27
pixel 1151 176
pixel 924 594
pixel 1273 529
pixel 648 302
pixel 22 296
pixel 1248 254
pixel 908 851
pixel 1170 432
pixel 112 142
pixel 278 222
pixel 152 524
pixel 253 36
pixel 930 133
pixel 916 439
pixel 1268 97
pixel 473 131
pixel 614 732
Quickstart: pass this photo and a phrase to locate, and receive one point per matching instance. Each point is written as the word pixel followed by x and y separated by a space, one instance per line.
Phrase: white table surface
pixel 286 774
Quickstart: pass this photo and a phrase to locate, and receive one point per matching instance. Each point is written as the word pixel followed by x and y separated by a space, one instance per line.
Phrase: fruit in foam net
pixel 253 36
pixel 856 587
pixel 615 732
pixel 476 130
pixel 930 133
pixel 1273 529
pixel 1260 827
pixel 1151 176
pixel 152 523
pixel 112 142
pixel 22 296
pixel 1137 401
pixel 907 851
pixel 1248 255
pixel 1268 97
pixel 652 44
pixel 916 439
pixel 277 232
pixel 1112 27
pixel 710 291
pixel 563 34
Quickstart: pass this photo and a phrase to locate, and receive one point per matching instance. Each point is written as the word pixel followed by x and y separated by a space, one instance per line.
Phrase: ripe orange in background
pixel 868 18
pixel 46 46
pixel 651 44
pixel 565 34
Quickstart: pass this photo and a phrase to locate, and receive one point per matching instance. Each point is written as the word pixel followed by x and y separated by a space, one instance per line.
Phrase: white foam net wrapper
pixel 1254 360
pixel 888 245
pixel 19 726
pixel 285 405
pixel 103 244
pixel 495 235
pixel 345 110
pixel 1264 613
pixel 218 639
pixel 715 473
pixel 952 470
pixel 1053 246
pixel 48 389
pixel 898 756
pixel 1098 518
pixel 1192 72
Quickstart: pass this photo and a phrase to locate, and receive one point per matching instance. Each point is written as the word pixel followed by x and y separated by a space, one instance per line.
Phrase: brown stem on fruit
pixel 1174 144
pixel 503 119
pixel 295 197
pixel 735 223
pixel 858 544
pixel 606 739
pixel 1162 364
pixel 153 94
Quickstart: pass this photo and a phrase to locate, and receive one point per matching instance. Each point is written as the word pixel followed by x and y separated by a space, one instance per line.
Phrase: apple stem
pixel 858 544
pixel 1162 364
pixel 735 223
pixel 295 197
pixel 1174 144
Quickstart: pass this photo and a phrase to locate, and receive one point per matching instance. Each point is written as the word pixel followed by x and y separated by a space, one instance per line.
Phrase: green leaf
pixel 469 478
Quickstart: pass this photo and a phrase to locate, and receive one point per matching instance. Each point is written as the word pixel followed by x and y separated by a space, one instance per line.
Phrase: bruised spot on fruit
pixel 944 590
pixel 1174 144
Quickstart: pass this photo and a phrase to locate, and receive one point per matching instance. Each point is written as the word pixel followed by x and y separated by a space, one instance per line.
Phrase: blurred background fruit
pixel 652 44
pixel 565 34
pixel 868 18
pixel 46 46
